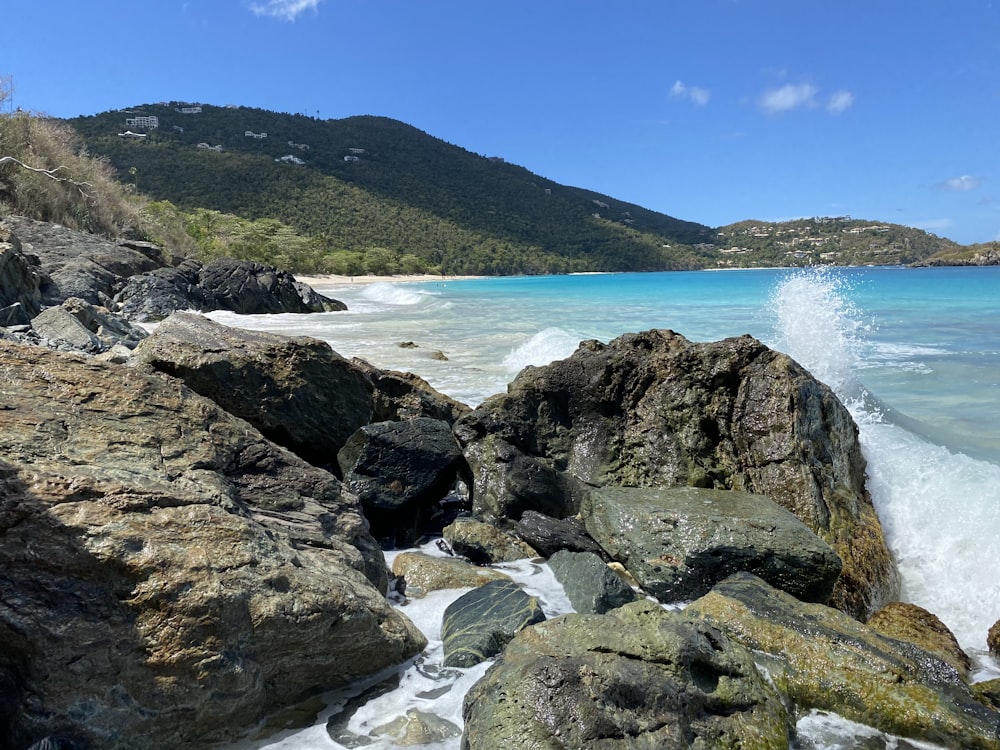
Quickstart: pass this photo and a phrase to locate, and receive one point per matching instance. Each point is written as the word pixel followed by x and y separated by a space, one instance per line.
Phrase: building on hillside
pixel 150 122
pixel 210 148
pixel 290 159
pixel 178 129
pixel 130 136
pixel 251 134
pixel 188 110
pixel 351 157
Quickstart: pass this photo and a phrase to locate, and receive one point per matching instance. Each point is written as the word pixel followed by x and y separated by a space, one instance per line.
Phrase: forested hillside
pixel 373 195
pixel 369 184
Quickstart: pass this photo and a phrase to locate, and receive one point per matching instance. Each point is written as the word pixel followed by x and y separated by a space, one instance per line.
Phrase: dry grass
pixel 57 181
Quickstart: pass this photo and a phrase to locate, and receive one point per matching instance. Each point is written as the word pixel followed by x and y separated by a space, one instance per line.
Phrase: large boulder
pixel 248 287
pixel 653 409
pixel 154 295
pixel 168 574
pixel 478 625
pixel 908 622
pixel 241 286
pixel 296 390
pixel 403 395
pixel 681 541
pixel 638 678
pixel 77 264
pixel 401 471
pixel 820 658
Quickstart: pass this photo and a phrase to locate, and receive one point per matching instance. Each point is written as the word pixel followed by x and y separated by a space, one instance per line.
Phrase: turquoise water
pixel 913 353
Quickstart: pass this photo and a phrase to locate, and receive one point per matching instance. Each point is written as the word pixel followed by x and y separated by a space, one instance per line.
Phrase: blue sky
pixel 709 110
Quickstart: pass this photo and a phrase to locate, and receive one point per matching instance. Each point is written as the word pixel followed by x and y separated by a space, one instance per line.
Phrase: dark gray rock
pixel 819 658
pixel 591 586
pixel 297 391
pixel 478 625
pixel 77 264
pixel 403 395
pixel 241 286
pixel 401 471
pixel 155 295
pixel 20 281
pixel 653 409
pixel 548 535
pixel 248 287
pixel 637 678
pixel 62 329
pixel 679 542
pixel 80 326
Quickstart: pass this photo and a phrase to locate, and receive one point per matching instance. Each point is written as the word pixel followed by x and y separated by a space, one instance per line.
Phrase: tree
pixel 381 261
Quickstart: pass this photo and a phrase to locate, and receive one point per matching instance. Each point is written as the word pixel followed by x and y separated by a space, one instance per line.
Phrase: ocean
pixel 913 353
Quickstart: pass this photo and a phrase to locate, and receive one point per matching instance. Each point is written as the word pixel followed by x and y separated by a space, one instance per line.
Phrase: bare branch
pixel 48 173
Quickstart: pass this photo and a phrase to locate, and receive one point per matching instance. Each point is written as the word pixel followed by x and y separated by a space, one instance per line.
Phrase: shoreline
pixel 339 280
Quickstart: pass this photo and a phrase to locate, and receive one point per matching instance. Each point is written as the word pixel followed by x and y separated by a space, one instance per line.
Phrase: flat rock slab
pixel 679 542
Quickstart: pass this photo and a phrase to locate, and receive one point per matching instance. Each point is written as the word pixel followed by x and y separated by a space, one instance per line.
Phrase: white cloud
pixel 286 9
pixel 788 97
pixel 962 184
pixel 839 102
pixel 698 96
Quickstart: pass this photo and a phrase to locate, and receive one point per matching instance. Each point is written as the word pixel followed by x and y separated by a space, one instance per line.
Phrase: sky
pixel 712 111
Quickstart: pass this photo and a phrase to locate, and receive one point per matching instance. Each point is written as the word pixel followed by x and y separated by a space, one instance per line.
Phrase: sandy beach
pixel 335 280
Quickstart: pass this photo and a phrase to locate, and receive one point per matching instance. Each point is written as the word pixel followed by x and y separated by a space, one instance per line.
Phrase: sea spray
pixel 541 349
pixel 938 507
pixel 392 294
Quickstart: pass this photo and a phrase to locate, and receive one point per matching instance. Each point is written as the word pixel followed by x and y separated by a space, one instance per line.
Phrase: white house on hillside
pixel 150 122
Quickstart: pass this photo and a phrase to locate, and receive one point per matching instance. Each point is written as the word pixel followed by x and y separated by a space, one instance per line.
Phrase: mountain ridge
pixel 369 183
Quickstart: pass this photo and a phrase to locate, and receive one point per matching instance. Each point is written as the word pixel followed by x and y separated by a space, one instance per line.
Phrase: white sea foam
pixel 424 684
pixel 937 506
pixel 820 730
pixel 819 327
pixel 544 347
pixel 392 294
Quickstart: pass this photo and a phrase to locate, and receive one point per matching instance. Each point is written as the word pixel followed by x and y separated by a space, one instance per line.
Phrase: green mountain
pixel 363 183
pixel 371 193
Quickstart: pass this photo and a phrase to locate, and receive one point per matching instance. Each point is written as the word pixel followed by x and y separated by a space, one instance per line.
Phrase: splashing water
pixel 544 347
pixel 392 294
pixel 820 328
pixel 937 507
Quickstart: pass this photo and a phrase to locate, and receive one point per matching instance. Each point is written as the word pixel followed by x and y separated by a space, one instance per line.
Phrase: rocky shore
pixel 192 524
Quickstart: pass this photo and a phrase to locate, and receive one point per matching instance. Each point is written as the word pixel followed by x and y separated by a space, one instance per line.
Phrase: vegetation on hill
pixel 365 185
pixel 838 240
pixel 373 195
pixel 46 174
